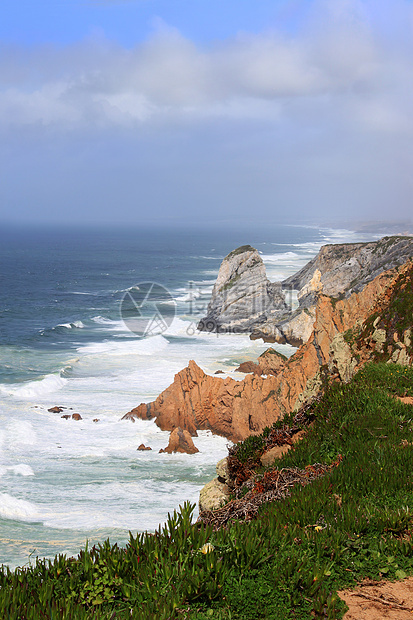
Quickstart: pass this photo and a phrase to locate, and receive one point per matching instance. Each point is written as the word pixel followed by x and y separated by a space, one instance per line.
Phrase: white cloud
pixel 263 125
pixel 340 56
pixel 45 105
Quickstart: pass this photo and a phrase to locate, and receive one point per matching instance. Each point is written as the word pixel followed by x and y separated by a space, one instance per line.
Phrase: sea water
pixel 63 342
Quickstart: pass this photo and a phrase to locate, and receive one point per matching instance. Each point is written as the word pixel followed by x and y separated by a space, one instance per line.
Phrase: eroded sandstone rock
pixel 180 441
pixel 272 455
pixel 271 362
pixel 249 367
pixel 237 409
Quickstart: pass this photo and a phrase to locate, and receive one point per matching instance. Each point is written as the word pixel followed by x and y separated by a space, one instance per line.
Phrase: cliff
pixel 343 269
pixel 374 322
pixel 337 271
pixel 244 300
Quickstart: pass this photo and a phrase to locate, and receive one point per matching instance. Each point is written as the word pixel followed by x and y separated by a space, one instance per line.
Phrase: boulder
pixel 180 441
pixel 222 471
pixel 341 361
pixel 249 367
pixel 76 416
pixel 66 416
pixel 213 495
pixel 273 454
pixel 142 447
pixel 56 409
pixel 299 435
pixel 271 362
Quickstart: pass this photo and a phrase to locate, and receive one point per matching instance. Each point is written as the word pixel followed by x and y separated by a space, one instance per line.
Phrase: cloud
pixel 339 56
pixel 315 121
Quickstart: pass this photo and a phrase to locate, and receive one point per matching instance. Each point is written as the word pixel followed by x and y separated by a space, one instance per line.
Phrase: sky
pixel 192 112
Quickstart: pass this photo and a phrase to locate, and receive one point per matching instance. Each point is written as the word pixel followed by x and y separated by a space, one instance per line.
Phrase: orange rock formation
pixel 237 409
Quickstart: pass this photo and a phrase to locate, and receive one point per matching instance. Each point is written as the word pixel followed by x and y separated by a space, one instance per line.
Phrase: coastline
pixel 98 369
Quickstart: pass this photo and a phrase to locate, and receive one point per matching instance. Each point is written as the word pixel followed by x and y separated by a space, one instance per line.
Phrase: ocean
pixel 63 343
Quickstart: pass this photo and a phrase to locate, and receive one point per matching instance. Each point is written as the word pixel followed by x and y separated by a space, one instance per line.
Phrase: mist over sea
pixel 63 342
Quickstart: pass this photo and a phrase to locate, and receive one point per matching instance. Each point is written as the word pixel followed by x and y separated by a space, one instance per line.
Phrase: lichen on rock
pixel 213 495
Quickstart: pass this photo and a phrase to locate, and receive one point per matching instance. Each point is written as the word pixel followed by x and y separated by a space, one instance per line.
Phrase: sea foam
pixel 17 509
pixel 33 389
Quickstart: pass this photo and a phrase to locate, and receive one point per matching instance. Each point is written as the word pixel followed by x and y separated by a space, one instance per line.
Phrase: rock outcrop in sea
pixel 346 333
pixel 180 441
pixel 243 296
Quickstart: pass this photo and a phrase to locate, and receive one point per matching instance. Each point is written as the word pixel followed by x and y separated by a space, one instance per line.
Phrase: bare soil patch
pixel 407 400
pixel 377 600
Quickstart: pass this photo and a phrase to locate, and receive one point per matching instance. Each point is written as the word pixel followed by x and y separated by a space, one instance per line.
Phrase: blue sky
pixel 131 21
pixel 191 111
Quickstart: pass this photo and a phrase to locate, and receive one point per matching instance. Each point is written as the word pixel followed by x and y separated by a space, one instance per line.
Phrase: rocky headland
pixel 338 270
pixel 243 299
pixel 346 333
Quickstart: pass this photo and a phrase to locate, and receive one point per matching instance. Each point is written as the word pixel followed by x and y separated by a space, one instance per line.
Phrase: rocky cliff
pixel 242 296
pixel 337 271
pixel 244 300
pixel 343 269
pixel 375 322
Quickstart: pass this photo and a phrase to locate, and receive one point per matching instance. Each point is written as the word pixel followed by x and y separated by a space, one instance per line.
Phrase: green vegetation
pixel 395 317
pixel 240 250
pixel 230 283
pixel 351 335
pixel 352 523
pixel 383 244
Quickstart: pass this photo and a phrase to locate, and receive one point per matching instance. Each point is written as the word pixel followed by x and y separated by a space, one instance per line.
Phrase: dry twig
pixel 274 485
pixel 384 601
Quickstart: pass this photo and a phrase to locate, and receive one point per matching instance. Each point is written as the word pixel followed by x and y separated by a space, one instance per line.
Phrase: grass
pixel 240 250
pixel 355 522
